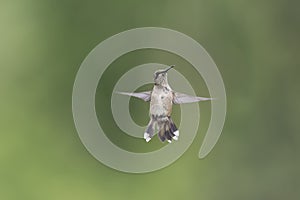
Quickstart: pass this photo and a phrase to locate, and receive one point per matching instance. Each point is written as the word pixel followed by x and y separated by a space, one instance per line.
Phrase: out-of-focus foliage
pixel 255 45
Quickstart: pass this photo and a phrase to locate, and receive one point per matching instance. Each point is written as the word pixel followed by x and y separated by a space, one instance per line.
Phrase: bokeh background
pixel 255 44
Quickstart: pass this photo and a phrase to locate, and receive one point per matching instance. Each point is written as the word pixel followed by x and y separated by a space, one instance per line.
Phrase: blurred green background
pixel 255 44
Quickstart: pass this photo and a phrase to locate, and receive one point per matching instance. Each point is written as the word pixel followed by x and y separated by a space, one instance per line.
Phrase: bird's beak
pixel 166 70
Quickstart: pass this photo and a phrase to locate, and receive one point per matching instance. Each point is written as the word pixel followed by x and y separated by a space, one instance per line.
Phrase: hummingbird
pixel 161 99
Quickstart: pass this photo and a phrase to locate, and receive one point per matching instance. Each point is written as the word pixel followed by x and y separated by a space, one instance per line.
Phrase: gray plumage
pixel 162 98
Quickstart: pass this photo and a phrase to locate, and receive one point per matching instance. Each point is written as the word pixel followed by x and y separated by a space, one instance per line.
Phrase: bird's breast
pixel 161 103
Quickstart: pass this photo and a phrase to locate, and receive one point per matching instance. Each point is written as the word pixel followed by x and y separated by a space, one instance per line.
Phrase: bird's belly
pixel 160 107
pixel 158 110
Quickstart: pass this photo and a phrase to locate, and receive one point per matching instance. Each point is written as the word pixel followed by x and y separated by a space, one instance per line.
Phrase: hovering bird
pixel 162 98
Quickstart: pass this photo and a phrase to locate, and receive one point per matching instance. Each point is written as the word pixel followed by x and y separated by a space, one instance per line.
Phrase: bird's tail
pixel 149 131
pixel 168 131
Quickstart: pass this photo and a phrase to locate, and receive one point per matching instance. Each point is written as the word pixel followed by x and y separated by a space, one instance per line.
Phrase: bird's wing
pixel 180 98
pixel 146 96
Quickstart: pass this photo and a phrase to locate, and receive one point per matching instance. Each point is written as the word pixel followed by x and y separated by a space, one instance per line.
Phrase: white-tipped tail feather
pixel 175 137
pixel 168 130
pixel 149 131
pixel 147 137
pixel 176 133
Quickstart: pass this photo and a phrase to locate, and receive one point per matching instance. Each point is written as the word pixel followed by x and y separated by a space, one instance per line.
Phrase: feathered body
pixel 162 98
pixel 160 113
pixel 160 109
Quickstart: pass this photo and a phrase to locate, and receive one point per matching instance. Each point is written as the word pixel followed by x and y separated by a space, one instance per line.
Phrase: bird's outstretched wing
pixel 180 98
pixel 146 96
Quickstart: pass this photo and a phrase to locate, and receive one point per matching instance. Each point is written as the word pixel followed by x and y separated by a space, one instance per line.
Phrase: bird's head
pixel 160 76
